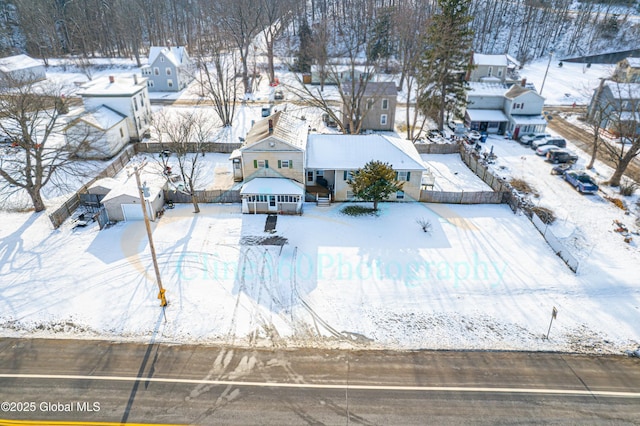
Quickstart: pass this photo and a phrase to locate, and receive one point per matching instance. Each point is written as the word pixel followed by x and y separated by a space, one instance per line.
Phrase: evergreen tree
pixel 305 51
pixel 446 60
pixel 374 182
pixel 380 43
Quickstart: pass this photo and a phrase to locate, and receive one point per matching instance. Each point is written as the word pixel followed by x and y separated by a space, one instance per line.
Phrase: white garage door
pixel 132 212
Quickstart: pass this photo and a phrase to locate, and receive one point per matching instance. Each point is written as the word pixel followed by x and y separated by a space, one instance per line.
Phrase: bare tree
pixel 39 153
pixel 184 135
pixel 276 17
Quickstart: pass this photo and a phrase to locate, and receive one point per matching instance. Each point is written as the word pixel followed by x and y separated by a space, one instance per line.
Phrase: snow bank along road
pixel 95 381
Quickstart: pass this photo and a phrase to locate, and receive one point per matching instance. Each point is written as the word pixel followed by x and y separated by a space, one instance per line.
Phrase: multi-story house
pixel 378 105
pixel 169 70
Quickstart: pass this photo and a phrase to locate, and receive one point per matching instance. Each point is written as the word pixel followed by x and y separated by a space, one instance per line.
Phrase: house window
pixel 400 195
pixel 403 176
pixel 500 73
pixel 310 176
pixel 490 72
pixel 161 58
pixel 370 102
pixel 284 164
pixel 347 174
pixel 170 83
pixel 260 164
pixel 150 83
pixel 156 71
pixel 121 133
pixel 320 173
pixel 385 104
pixel 383 119
pixel 168 71
pixel 135 103
pixel 142 100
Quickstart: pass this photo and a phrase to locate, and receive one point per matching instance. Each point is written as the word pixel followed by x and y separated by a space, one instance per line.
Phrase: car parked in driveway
pixel 544 149
pixel 560 155
pixel 581 181
pixel 559 142
pixel 528 138
pixel 474 135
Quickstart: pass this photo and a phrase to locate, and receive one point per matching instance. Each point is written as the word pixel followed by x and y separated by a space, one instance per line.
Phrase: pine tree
pixel 304 53
pixel 380 44
pixel 446 60
pixel 374 182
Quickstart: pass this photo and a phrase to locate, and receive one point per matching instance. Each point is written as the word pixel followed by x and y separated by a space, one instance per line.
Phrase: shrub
pixel 628 188
pixel 424 224
pixel 546 215
pixel 523 187
pixel 358 211
pixel 616 202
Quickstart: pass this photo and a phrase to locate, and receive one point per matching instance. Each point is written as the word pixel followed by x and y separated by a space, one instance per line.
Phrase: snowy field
pixel 482 279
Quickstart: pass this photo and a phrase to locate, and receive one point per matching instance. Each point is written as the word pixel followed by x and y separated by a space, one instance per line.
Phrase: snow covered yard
pixel 483 279
pixel 452 174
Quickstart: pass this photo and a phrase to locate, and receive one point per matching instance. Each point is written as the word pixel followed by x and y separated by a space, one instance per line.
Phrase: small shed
pixel 122 203
pixel 22 69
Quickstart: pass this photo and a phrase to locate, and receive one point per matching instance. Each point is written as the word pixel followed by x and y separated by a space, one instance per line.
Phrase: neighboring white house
pixel 504 108
pixel 126 95
pixel 169 70
pixel 22 69
pixel 105 131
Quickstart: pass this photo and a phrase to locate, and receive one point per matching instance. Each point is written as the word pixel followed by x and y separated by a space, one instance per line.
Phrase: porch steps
pixel 323 201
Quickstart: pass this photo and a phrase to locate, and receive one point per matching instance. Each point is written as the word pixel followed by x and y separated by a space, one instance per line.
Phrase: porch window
pixel 403 176
pixel 490 72
pixel 310 176
pixel 320 173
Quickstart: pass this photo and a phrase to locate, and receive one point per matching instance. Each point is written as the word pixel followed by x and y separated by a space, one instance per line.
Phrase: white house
pixel 126 95
pixel 169 70
pixel 105 131
pixel 122 202
pixel 22 69
pixel 504 108
pixel 492 68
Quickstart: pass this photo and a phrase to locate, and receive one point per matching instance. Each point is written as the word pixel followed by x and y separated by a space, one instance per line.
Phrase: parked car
pixel 278 95
pixel 561 168
pixel 328 120
pixel 560 155
pixel 559 142
pixel 474 135
pixel 544 149
pixel 434 133
pixel 528 138
pixel 581 181
pixel 456 127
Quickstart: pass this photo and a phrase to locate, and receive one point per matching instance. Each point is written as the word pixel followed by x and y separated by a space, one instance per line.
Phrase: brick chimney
pixel 523 83
pixel 135 79
pixel 270 126
pixel 112 79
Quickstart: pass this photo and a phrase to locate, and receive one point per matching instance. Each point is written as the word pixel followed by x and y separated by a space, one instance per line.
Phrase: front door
pixel 273 206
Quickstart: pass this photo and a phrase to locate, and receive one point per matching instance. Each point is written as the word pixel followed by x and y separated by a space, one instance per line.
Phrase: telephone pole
pixel 143 203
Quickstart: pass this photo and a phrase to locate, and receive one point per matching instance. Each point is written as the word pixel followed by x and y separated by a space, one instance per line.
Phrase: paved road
pixel 61 380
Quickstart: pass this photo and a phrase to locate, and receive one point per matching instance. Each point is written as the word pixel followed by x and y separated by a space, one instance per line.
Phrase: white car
pixel 530 137
pixel 544 149
pixel 474 135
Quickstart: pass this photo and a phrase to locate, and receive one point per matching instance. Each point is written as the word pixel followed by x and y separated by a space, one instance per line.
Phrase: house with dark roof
pixel 169 69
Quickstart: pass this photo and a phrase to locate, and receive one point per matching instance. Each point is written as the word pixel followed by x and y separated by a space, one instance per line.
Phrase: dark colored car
pixel 581 181
pixel 278 95
pixel 557 156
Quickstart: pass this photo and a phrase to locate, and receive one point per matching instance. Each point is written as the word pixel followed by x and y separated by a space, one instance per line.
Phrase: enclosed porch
pixel 272 195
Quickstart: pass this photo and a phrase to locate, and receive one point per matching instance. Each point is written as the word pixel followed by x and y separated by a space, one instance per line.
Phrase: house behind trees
pixel 169 69
pixel 616 106
pixel 22 68
pixel 492 68
pixel 627 70
pixel 378 105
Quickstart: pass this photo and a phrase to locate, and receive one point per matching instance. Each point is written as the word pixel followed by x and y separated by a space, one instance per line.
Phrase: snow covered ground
pixel 483 278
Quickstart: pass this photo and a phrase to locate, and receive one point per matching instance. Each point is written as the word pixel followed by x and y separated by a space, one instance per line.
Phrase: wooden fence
pixel 437 148
pixel 65 211
pixel 462 197
pixel 156 148
pixel 214 196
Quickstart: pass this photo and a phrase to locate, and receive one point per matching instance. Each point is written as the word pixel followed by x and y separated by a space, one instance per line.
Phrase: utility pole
pixel 547 70
pixel 143 203
pixel 554 314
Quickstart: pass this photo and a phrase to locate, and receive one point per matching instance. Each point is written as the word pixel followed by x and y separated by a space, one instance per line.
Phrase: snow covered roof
pixel 175 54
pixel 492 60
pixel 278 186
pixel 634 62
pixel 18 62
pixel 517 90
pixel 487 89
pixel 121 86
pixel 287 128
pixel 487 115
pixel 528 119
pixel 129 187
pixel 348 152
pixel 624 90
pixel 102 118
pixel 629 116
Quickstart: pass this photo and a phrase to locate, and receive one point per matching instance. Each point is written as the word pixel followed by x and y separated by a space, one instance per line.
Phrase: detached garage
pixel 123 202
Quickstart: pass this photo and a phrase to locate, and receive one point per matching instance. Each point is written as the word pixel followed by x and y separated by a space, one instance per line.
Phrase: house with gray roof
pixel 21 69
pixel 169 69
pixel 616 105
pixel 377 106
